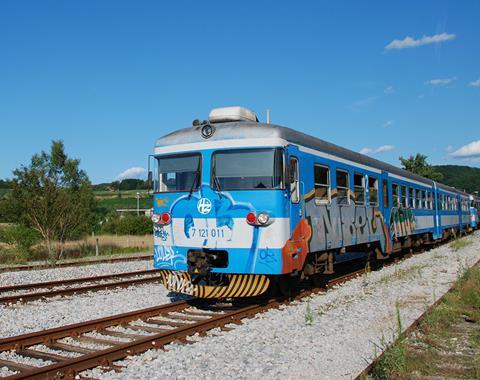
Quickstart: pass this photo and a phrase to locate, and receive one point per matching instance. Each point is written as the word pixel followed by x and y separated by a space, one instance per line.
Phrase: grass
pixel 308 314
pixel 107 244
pixel 447 341
pixel 112 204
pixel 460 243
pixel 403 274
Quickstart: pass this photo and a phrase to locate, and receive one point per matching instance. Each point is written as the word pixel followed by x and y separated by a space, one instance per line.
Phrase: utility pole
pixel 138 203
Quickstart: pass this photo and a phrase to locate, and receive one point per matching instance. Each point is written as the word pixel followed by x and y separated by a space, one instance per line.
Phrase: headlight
pixel 263 218
pixel 155 218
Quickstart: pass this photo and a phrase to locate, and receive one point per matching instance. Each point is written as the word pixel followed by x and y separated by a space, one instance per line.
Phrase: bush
pixel 21 238
pixel 128 225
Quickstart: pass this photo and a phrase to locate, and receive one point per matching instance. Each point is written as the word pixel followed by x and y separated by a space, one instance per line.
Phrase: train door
pixel 436 218
pixel 386 198
pixel 296 204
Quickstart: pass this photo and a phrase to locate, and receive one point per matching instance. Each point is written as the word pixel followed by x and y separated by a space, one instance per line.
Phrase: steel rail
pixel 75 263
pixel 24 297
pixel 50 284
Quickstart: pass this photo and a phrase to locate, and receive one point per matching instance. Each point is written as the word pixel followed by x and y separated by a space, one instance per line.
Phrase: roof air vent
pixel 228 114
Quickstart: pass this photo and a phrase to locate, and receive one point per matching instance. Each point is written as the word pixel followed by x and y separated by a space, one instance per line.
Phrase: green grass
pixel 447 341
pixel 111 204
pixel 460 243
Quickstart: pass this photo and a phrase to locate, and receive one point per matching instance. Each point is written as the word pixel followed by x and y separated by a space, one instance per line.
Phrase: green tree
pixel 418 165
pixel 54 197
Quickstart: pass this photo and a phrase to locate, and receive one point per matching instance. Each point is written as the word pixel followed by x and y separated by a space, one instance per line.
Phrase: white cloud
pixel 380 149
pixel 475 83
pixel 363 103
pixel 468 151
pixel 440 82
pixel 389 123
pixel 409 42
pixel 135 172
pixel 389 90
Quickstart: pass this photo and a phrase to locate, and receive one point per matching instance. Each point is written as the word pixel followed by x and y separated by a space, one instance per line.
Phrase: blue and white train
pixel 239 204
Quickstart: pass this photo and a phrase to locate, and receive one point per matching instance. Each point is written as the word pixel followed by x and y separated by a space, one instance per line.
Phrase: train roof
pixel 247 129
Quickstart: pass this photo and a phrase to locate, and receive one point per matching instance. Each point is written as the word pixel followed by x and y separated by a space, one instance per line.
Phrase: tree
pixel 419 165
pixel 54 197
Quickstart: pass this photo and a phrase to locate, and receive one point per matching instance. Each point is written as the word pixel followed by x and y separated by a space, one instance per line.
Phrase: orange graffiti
pixel 295 250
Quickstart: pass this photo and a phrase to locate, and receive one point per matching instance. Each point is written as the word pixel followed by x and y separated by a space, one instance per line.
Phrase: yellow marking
pixel 161 201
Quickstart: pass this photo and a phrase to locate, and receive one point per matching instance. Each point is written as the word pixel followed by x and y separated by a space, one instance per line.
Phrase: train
pixel 240 206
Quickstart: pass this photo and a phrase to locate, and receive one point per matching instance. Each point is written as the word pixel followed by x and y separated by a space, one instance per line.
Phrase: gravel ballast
pixel 55 274
pixel 346 325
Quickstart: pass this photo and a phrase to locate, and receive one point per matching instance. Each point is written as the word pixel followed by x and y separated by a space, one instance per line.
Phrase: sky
pixel 387 79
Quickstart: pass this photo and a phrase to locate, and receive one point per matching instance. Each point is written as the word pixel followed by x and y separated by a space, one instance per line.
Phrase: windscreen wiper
pixel 197 176
pixel 216 182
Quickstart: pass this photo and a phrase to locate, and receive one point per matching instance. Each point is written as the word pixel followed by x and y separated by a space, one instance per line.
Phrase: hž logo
pixel 204 206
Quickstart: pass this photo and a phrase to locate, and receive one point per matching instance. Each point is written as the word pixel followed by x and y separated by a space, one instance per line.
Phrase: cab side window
pixel 294 180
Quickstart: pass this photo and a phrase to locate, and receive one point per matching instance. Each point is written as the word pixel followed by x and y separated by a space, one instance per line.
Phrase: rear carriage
pixel 239 204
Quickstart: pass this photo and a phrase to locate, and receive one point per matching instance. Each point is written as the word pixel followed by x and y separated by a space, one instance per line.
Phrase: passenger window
pixel 424 198
pixel 343 187
pixel 395 195
pixel 359 188
pixel 372 191
pixel 411 197
pixel 404 196
pixel 418 198
pixel 294 182
pixel 385 193
pixel 322 184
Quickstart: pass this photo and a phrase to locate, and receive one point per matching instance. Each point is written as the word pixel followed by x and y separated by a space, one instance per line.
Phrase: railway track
pixel 67 351
pixel 28 292
pixel 75 263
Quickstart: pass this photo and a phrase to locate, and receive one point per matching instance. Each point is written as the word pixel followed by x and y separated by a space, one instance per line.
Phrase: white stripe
pixel 215 144
pixel 409 180
pixel 335 158
pixel 273 236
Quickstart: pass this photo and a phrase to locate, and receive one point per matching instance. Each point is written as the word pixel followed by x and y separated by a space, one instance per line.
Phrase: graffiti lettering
pixel 179 284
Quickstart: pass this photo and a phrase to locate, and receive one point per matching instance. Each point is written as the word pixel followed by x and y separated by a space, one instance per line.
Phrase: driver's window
pixel 294 183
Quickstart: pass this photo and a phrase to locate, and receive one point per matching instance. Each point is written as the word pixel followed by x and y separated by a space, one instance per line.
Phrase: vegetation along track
pixel 67 287
pixel 115 259
pixel 370 367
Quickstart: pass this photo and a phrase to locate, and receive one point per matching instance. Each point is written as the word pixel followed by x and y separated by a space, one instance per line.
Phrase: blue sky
pixel 110 77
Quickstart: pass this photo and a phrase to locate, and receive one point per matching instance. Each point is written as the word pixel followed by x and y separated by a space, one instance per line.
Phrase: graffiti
pixel 161 201
pixel 339 226
pixel 160 232
pixel 179 284
pixel 165 256
pixel 402 222
pixel 267 256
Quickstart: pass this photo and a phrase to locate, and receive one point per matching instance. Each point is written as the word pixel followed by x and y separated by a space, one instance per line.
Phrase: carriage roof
pixel 249 130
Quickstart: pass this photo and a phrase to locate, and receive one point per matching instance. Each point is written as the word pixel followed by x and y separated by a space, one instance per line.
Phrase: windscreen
pixel 247 169
pixel 178 173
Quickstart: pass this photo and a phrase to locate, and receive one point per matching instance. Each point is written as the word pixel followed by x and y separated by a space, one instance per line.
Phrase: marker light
pixel 166 218
pixel 263 218
pixel 155 218
pixel 251 218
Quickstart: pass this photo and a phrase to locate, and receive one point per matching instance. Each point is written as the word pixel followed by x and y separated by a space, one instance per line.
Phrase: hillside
pixel 461 177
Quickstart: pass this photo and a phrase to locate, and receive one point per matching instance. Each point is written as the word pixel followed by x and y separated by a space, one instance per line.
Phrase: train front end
pixel 220 214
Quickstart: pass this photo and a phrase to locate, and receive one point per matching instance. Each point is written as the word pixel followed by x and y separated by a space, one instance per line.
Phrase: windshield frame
pixel 184 154
pixel 275 148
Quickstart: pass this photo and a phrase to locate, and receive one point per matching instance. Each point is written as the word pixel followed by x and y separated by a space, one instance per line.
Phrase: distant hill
pixel 461 177
pixel 126 184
